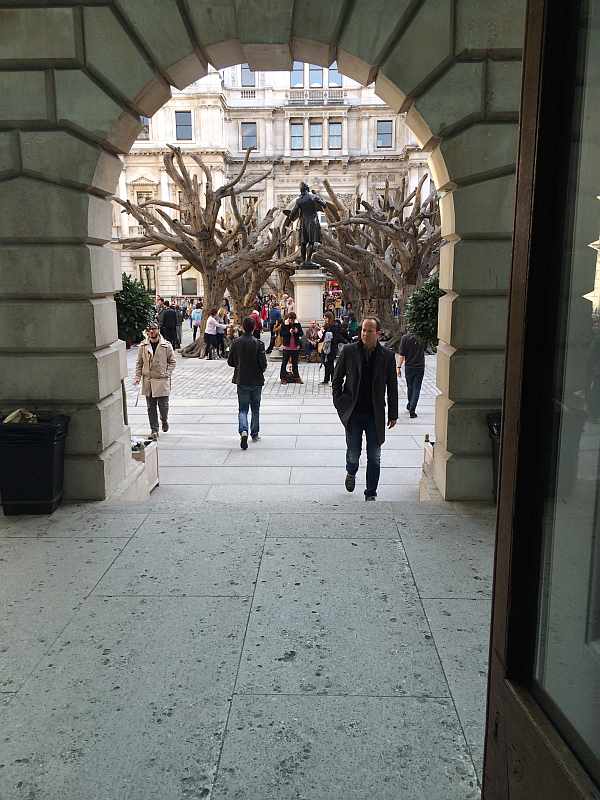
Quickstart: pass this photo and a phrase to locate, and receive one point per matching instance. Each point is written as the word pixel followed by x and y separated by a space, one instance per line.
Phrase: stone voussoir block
pixel 424 46
pixel 55 325
pixel 476 267
pixel 83 104
pixel 481 27
pixel 60 378
pixel 61 271
pixel 485 208
pixel 454 99
pixel 122 64
pixel 470 375
pixel 37 34
pixel 62 157
pixel 23 96
pixel 463 428
pixel 169 44
pixel 38 211
pixel 475 323
pixel 481 148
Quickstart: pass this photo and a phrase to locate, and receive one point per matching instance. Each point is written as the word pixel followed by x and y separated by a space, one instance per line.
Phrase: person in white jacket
pixel 213 326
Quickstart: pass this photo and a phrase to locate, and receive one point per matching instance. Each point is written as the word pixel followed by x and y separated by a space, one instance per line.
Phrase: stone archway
pixel 73 83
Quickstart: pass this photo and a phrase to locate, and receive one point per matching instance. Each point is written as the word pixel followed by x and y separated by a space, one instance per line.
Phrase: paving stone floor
pixel 251 631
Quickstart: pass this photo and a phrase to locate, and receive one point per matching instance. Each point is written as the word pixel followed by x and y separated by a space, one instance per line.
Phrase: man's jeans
pixel 414 379
pixel 163 407
pixel 354 431
pixel 249 397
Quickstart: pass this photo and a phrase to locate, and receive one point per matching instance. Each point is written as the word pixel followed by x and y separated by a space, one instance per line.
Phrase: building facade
pixel 312 123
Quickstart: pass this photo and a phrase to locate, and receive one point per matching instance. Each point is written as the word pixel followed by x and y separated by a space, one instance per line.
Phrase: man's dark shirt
pixel 364 404
pixel 154 345
pixel 412 350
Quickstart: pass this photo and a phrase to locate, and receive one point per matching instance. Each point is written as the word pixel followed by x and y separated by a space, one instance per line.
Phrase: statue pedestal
pixel 309 285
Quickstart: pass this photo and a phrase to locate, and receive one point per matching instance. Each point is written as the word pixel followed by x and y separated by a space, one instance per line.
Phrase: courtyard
pixel 251 630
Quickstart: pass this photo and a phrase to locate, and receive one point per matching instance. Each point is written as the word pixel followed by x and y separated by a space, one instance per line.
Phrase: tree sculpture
pixel 222 253
pixel 377 250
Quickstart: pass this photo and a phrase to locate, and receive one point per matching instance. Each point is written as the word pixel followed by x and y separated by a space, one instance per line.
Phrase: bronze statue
pixel 307 208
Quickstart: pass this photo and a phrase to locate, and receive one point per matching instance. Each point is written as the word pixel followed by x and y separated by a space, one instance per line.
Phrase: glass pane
pixel 384 133
pixel 297 75
pixel 316 75
pixel 183 125
pixel 145 132
pixel 248 77
pixel 335 135
pixel 335 79
pixel 567 670
pixel 248 135
pixel 297 135
pixel 316 136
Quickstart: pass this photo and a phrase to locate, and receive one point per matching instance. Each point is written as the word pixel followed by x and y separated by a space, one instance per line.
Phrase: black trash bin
pixel 32 461
pixel 494 421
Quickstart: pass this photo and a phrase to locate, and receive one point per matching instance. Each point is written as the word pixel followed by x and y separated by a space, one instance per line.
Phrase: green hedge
pixel 421 313
pixel 135 309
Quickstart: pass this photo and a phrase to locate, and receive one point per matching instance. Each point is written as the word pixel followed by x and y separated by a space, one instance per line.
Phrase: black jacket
pixel 247 357
pixel 168 322
pixel 286 332
pixel 346 383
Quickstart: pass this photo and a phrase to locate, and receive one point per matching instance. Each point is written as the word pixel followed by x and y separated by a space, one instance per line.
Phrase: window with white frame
pixel 183 126
pixel 335 135
pixel 248 135
pixel 145 132
pixel 315 76
pixel 296 135
pixel 384 132
pixel 248 76
pixel 148 276
pixel 297 75
pixel 316 135
pixel 335 79
pixel 143 196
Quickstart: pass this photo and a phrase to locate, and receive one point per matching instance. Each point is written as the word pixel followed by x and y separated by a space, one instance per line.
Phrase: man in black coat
pixel 363 373
pixel 168 324
pixel 247 357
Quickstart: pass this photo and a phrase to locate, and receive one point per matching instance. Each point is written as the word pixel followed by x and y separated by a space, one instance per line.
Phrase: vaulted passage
pixel 73 84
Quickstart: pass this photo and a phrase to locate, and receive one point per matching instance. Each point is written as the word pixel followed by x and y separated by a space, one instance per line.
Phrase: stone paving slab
pixel 191 457
pixel 338 442
pixel 108 716
pixel 335 526
pixel 185 564
pixel 451 556
pixel 296 497
pixel 457 626
pixel 336 457
pixel 42 582
pixel 350 748
pixel 227 477
pixel 207 520
pixel 316 600
pixel 393 476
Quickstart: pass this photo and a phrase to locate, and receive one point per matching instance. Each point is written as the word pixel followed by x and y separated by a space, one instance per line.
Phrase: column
pixel 309 285
pixel 124 218
pixel 306 135
pixel 164 185
pixel 325 134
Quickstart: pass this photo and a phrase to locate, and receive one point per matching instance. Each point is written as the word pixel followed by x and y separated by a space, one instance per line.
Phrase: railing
pixel 310 97
pixel 248 94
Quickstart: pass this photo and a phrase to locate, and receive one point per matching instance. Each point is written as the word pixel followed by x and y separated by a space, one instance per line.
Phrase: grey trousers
pixel 163 407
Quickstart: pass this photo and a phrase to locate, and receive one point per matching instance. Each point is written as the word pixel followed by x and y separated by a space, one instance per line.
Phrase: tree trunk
pixel 213 295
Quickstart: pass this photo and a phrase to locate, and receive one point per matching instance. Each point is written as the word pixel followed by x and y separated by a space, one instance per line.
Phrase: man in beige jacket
pixel 154 367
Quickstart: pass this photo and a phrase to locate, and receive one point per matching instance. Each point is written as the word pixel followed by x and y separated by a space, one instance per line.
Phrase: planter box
pixel 149 457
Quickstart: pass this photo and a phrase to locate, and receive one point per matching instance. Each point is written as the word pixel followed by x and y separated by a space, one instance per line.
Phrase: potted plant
pixel 135 309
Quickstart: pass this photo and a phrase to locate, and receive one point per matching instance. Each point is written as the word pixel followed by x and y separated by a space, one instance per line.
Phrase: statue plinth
pixel 309 285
